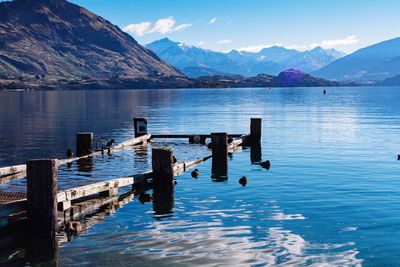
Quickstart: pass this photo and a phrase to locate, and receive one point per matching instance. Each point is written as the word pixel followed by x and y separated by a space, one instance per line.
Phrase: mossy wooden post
pixel 255 131
pixel 163 180
pixel 219 155
pixel 84 144
pixel 140 125
pixel 42 205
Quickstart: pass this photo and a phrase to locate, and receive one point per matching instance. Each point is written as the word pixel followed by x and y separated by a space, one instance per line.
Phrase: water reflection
pixel 85 165
pixel 163 200
pixel 331 174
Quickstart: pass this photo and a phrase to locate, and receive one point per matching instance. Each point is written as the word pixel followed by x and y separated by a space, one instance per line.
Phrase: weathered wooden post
pixel 163 180
pixel 42 207
pixel 219 155
pixel 140 125
pixel 255 130
pixel 84 144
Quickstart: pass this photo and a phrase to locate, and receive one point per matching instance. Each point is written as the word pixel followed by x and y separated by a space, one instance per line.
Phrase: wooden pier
pixel 46 209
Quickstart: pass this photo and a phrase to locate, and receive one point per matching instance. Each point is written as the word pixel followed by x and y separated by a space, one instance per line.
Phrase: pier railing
pixel 45 209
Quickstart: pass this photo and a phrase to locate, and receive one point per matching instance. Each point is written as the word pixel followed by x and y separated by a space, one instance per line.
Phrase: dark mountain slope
pixel 59 39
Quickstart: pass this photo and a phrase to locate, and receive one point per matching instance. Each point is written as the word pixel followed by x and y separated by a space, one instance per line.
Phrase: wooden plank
pixel 91 189
pixel 12 170
pixel 182 167
pixel 8 178
pixel 235 143
pixel 135 141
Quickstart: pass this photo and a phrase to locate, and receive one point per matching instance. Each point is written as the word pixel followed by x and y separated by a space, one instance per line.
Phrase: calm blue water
pixel 331 196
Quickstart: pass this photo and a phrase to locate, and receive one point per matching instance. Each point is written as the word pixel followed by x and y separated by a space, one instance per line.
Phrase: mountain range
pixel 195 61
pixel 55 44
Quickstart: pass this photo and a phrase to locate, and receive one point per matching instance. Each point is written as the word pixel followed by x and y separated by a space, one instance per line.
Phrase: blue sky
pixel 222 25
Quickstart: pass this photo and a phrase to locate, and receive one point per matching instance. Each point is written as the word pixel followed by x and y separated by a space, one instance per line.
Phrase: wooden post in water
pixel 255 131
pixel 163 181
pixel 140 125
pixel 84 144
pixel 163 171
pixel 42 205
pixel 219 155
pixel 255 153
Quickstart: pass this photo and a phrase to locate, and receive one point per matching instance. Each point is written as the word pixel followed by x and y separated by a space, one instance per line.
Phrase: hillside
pixel 375 62
pixel 55 39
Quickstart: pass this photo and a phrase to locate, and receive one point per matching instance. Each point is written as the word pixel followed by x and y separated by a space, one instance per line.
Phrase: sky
pixel 250 25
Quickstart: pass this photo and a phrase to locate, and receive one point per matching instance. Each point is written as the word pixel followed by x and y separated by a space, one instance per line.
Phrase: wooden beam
pixel 132 142
pixel 84 144
pixel 163 172
pixel 8 178
pixel 219 155
pixel 42 182
pixel 182 167
pixel 255 130
pixel 140 126
pixel 91 189
pixel 12 170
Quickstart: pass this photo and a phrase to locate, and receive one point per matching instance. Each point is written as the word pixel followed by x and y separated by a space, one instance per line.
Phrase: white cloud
pixel 213 20
pixel 161 26
pixel 349 40
pixel 256 48
pixel 337 44
pixel 182 27
pixel 226 41
pixel 200 43
pixel 139 29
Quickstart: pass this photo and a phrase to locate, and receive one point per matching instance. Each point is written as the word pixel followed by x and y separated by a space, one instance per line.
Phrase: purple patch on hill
pixel 290 77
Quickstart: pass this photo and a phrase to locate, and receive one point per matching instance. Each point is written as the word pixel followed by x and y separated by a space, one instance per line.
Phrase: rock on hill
pixel 56 39
pixel 296 78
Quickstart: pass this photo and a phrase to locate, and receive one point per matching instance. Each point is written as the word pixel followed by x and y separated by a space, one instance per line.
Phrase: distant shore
pixel 159 82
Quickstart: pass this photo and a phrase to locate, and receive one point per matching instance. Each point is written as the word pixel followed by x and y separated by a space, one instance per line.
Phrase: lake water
pixel 332 194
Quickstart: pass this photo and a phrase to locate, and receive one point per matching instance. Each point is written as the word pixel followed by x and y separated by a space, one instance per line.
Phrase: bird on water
pixel 69 153
pixel 195 173
pixel 266 164
pixel 73 228
pixel 243 181
pixel 110 143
